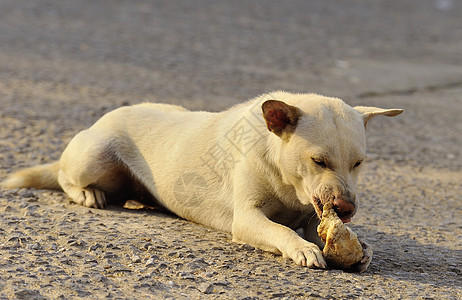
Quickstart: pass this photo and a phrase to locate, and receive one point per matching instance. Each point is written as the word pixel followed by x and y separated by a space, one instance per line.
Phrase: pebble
pixel 206 288
pixel 112 246
pixel 246 247
pixel 211 274
pixel 221 283
pixel 187 275
pixel 201 261
pixel 28 294
pixel 26 193
pixel 150 263
pixel 162 265
pixel 9 209
pixel 278 295
pixel 94 247
pixel 155 257
pixel 36 246
pixel 110 255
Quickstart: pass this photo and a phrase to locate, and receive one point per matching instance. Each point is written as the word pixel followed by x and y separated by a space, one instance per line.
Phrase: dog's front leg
pixel 251 226
pixel 310 231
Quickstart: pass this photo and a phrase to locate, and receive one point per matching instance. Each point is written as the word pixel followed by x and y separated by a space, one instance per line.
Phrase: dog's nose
pixel 343 209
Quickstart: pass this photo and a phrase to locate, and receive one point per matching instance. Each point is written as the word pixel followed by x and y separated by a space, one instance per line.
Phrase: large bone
pixel 342 248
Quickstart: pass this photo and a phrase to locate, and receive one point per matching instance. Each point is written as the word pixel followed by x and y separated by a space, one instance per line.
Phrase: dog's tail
pixel 39 177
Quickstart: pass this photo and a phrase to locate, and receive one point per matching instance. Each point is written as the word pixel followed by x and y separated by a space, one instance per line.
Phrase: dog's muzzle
pixel 344 209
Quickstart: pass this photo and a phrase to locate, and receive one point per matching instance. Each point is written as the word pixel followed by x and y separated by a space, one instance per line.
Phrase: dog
pixel 260 170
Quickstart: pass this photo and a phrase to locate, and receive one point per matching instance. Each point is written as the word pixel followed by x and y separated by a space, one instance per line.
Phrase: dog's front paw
pixel 306 254
pixel 366 260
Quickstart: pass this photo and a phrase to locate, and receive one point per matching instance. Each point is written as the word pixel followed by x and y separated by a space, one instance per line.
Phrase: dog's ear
pixel 369 112
pixel 280 117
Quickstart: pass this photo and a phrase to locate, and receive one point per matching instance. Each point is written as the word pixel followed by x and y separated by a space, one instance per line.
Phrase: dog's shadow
pixel 403 258
pixel 143 208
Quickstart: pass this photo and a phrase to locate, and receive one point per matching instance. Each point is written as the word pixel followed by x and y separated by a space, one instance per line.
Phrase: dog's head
pixel 321 147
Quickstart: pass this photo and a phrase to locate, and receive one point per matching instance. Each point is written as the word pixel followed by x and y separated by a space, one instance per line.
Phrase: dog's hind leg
pixel 89 170
pixel 86 196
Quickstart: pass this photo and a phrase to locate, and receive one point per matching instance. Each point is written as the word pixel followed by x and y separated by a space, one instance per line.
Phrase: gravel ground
pixel 63 66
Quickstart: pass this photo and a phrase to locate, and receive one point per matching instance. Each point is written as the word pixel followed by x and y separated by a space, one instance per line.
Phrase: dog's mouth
pixel 318 205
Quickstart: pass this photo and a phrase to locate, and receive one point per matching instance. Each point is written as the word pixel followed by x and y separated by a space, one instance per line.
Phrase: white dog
pixel 259 170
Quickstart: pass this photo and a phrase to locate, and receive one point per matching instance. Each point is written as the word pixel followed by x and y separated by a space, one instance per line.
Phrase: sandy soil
pixel 63 66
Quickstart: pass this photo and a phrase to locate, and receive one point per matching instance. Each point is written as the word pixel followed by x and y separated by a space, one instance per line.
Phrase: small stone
pixel 112 246
pixel 51 238
pixel 94 247
pixel 221 283
pixel 9 209
pixel 247 247
pixel 211 274
pixel 150 263
pixel 92 262
pixel 201 261
pixel 82 293
pixel 136 259
pixel 36 246
pixel 26 194
pixel 206 288
pixel 109 255
pixel 100 278
pixel 31 214
pixel 187 275
pixel 246 272
pixel 278 295
pixel 13 239
pixel 28 294
pixel 173 253
pixel 162 265
pixel 155 257
pixel 154 273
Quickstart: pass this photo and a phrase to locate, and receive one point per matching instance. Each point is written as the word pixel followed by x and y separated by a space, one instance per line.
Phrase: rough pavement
pixel 62 66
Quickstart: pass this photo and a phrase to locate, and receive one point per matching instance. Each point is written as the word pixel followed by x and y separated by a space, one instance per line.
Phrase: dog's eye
pixel 357 164
pixel 320 162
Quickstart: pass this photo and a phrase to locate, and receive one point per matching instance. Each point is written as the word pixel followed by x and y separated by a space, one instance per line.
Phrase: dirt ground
pixel 62 66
